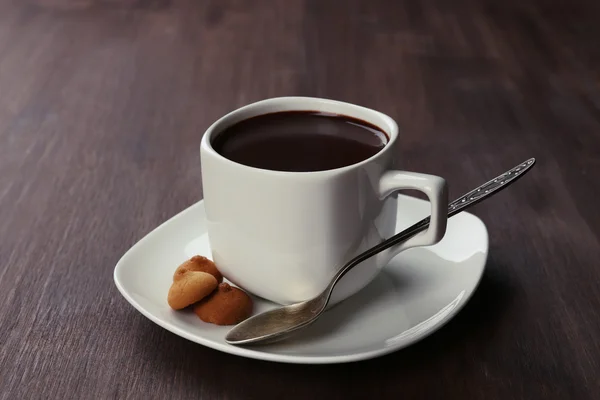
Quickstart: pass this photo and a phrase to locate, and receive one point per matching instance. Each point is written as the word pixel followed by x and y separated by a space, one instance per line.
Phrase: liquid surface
pixel 299 141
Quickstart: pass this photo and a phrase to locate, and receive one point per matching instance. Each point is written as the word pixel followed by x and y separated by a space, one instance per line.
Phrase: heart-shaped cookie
pixel 198 263
pixel 227 305
pixel 189 288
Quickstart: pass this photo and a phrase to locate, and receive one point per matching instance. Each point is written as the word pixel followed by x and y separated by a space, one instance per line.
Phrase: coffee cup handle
pixel 435 189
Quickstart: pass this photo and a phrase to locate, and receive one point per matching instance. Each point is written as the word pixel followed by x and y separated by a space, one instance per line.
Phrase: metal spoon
pixel 278 323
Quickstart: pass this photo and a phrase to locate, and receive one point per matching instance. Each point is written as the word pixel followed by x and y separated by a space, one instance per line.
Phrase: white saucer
pixel 416 294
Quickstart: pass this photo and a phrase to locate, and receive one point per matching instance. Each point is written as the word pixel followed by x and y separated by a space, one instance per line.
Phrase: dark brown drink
pixel 300 141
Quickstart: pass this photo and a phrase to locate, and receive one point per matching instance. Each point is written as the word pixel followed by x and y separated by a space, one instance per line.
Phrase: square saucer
pixel 418 292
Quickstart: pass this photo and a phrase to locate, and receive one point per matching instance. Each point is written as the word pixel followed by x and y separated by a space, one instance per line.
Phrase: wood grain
pixel 103 104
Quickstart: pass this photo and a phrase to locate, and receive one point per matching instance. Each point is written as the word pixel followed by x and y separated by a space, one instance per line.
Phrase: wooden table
pixel 102 107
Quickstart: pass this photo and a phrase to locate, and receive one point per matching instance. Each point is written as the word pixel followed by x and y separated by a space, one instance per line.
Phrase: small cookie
pixel 198 263
pixel 190 288
pixel 227 305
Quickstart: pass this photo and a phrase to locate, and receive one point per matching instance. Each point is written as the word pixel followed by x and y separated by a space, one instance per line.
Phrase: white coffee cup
pixel 283 235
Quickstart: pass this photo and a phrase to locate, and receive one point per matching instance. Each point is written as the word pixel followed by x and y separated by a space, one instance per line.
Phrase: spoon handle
pixel 489 188
pixel 467 200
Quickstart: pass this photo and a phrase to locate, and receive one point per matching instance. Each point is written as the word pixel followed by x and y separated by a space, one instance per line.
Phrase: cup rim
pixel 291 103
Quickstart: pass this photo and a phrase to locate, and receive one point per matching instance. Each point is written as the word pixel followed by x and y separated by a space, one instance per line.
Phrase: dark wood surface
pixel 102 107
